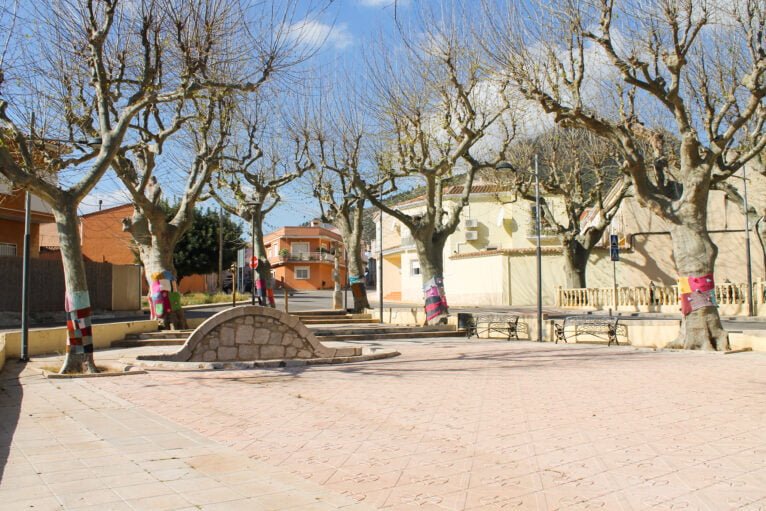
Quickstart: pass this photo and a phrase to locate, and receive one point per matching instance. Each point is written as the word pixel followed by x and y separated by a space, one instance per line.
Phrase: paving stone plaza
pixel 449 425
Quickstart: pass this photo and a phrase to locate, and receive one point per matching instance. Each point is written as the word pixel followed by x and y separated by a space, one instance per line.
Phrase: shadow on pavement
pixel 11 393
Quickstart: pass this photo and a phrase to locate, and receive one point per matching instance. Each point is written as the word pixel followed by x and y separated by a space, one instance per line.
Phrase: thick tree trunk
pixel 79 347
pixel 695 256
pixel 575 263
pixel 356 273
pixel 164 297
pixel 264 280
pixel 431 256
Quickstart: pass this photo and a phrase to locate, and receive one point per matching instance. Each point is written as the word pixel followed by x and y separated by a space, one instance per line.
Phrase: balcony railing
pixel 726 294
pixel 305 256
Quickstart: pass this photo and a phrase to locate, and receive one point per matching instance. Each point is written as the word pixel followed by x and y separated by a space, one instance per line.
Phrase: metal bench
pixel 574 326
pixel 486 323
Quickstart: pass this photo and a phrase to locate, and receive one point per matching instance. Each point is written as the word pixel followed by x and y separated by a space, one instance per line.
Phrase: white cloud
pixel 315 33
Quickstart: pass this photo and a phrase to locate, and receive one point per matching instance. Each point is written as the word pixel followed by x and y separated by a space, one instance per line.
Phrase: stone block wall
pixel 254 333
pixel 251 338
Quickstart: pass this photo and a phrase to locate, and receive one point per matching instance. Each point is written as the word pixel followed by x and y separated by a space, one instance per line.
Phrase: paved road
pixel 520 426
pixel 299 301
pixel 314 300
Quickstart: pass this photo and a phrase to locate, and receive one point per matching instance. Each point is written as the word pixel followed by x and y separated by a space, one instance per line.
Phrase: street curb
pixel 164 365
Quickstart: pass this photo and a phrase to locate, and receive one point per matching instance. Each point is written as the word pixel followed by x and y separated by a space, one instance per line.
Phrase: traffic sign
pixel 614 247
pixel 254 262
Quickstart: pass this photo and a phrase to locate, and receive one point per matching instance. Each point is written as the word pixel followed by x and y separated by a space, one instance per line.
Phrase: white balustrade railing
pixel 727 293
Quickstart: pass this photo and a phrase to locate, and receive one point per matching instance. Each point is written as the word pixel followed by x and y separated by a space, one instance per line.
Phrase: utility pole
pixel 220 250
pixel 25 284
pixel 747 246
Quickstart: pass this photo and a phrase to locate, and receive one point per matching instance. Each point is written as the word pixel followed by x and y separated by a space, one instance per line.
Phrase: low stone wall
pixel 253 333
pixel 47 341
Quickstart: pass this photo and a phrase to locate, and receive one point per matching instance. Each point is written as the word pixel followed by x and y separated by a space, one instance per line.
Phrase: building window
pixel 414 268
pixel 546 227
pixel 7 249
pixel 299 248
pixel 302 273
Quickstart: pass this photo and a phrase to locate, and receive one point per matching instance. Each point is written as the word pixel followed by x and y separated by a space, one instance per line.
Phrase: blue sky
pixel 341 30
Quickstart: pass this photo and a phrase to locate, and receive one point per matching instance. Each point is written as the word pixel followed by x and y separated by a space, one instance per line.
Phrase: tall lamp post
pixel 253 205
pixel 506 166
pixel 747 244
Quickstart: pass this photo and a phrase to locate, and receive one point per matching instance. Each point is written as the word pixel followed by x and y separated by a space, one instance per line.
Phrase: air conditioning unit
pixel 471 223
pixel 471 235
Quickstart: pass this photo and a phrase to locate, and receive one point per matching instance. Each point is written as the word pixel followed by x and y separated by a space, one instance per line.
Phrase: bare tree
pixel 90 68
pixel 335 132
pixel 341 202
pixel 692 69
pixel 257 166
pixel 206 124
pixel 579 169
pixel 433 109
pixel 156 235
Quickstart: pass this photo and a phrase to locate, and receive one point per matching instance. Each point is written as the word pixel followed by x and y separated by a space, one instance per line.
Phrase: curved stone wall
pixel 253 333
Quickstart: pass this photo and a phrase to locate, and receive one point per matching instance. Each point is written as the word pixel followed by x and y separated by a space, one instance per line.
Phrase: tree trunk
pixel 264 280
pixel 431 256
pixel 575 263
pixel 356 272
pixel 164 297
pixel 79 347
pixel 695 256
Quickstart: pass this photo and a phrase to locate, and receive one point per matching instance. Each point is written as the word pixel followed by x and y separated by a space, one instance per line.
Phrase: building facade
pixel 305 256
pixel 104 241
pixel 12 207
pixel 490 259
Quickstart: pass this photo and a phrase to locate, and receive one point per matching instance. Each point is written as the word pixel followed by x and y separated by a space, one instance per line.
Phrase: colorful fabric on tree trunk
pixel 163 295
pixel 696 293
pixel 78 324
pixel 435 298
pixel 260 286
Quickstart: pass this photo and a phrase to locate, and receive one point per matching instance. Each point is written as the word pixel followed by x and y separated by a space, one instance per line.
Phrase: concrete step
pixel 378 329
pixel 164 334
pixel 324 312
pixel 373 336
pixel 136 343
pixel 339 321
pixel 334 316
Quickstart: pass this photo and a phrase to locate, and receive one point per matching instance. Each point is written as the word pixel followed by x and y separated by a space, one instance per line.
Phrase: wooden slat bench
pixel 604 326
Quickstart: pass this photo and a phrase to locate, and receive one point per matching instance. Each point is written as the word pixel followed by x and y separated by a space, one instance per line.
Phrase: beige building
pixel 490 259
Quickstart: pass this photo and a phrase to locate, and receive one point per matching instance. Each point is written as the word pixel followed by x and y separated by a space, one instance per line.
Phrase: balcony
pixel 307 257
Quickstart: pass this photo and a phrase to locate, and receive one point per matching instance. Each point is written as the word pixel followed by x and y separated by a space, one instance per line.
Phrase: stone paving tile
pixel 449 425
pixel 492 425
pixel 60 453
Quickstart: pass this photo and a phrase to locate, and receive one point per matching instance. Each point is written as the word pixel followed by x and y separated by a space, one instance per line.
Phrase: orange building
pixel 104 241
pixel 12 222
pixel 305 256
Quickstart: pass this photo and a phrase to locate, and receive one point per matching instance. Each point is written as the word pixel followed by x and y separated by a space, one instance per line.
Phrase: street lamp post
pixel 539 252
pixel 743 177
pixel 747 246
pixel 253 205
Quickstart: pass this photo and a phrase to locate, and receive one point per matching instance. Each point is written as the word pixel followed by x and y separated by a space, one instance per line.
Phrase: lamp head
pixel 254 202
